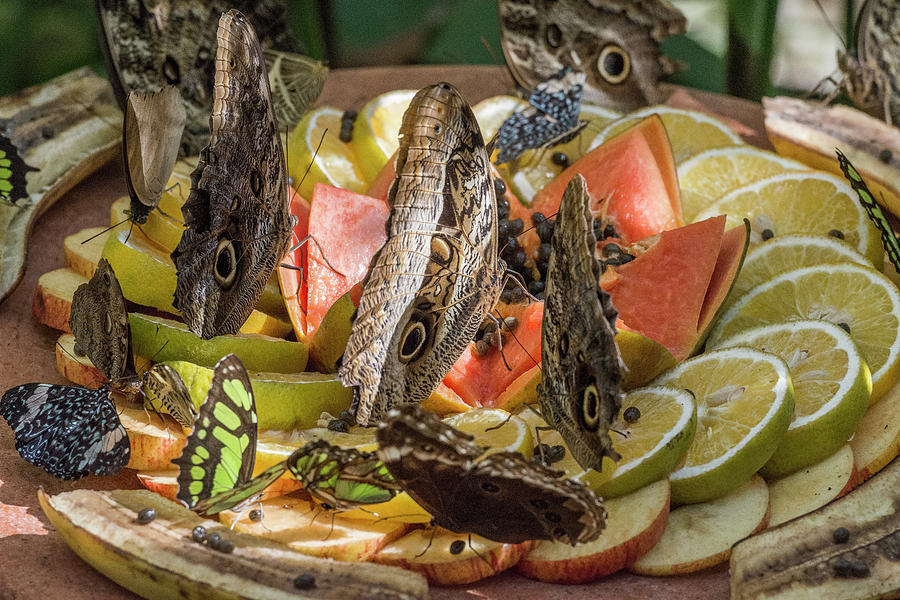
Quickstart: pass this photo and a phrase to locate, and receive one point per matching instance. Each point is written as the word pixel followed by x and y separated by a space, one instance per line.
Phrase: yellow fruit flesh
pixel 376 130
pixel 335 162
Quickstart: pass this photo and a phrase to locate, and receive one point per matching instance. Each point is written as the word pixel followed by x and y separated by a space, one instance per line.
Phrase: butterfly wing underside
pixel 165 389
pixel 432 282
pixel 13 186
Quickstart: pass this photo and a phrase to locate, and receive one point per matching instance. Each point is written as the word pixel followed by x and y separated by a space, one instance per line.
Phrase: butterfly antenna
pixel 487 45
pixel 478 554
pixel 430 539
pixel 498 323
pixel 312 160
pixel 831 24
pixel 331 530
pixel 524 349
pixel 96 235
pixel 322 252
pixel 501 425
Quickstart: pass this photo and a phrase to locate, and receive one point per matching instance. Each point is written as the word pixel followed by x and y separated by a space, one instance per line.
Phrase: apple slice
pixel 877 438
pixel 699 536
pixel 82 256
pixel 307 528
pixel 155 439
pixel 165 483
pixel 52 301
pixel 447 558
pixel 634 524
pixel 810 488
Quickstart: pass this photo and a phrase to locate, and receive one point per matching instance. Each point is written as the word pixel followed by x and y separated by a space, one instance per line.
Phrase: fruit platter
pixel 698 328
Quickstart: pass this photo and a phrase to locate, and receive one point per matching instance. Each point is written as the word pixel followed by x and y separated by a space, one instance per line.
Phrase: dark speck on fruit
pixel 767 234
pixel 836 233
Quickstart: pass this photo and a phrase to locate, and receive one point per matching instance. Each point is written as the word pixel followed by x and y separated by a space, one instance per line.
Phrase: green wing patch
pixel 12 172
pixel 873 209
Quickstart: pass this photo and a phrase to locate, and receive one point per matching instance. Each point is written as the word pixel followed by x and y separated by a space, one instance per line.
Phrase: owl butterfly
pixel 551 118
pixel 437 275
pixel 150 139
pixel 614 42
pixel 237 216
pixel 872 76
pixel 149 44
pixel 580 392
pixel 502 497
pixel 12 172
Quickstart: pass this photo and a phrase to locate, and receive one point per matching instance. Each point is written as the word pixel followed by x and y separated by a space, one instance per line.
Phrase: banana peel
pixel 800 558
pixel 160 560
pixel 810 132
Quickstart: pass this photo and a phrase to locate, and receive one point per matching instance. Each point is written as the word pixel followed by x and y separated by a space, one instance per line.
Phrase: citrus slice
pixel 847 294
pixel 495 429
pixel 335 163
pixel 491 112
pixel 376 130
pixel 831 389
pixel 780 254
pixel 811 202
pixel 744 406
pixel 709 175
pixel 690 132
pixel 536 168
pixel 652 441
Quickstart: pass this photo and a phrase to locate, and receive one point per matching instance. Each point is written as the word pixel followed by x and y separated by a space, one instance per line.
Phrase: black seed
pixel 510 324
pixel 557 453
pixel 560 158
pixel 212 540
pixel 611 250
pixel 844 326
pixel 499 188
pixel 457 546
pixel 506 296
pixel 542 268
pixel 885 155
pixel 841 535
pixel 836 233
pixel 255 515
pixel 346 134
pixel 516 226
pixel 518 259
pixel 347 417
pixel 610 231
pixel 544 251
pixel 489 326
pixel 225 546
pixel 545 229
pixel 767 234
pixel 537 218
pixel 146 516
pixel 536 287
pixel 503 204
pixel 199 534
pixel 512 244
pixel 305 581
pixel 481 348
pixel 632 414
pixel 492 338
pixel 517 295
pixel 502 211
pixel 842 567
pixel 859 569
pixel 338 425
pixel 349 115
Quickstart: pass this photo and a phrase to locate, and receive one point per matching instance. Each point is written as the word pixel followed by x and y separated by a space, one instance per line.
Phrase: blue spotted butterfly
pixel 551 118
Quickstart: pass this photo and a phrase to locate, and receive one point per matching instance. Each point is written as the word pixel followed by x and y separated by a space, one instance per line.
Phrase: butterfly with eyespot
pixel 502 497
pixel 551 118
pixel 580 392
pixel 237 216
pixel 148 44
pixel 614 42
pixel 438 274
pixel 12 172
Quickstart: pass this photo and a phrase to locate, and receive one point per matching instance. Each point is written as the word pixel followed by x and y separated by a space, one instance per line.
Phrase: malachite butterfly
pixel 12 172
pixel 68 431
pixel 888 239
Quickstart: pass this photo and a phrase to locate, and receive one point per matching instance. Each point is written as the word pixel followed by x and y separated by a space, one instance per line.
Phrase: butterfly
pixel 437 275
pixel 580 392
pixel 296 81
pixel 502 497
pixel 871 74
pixel 68 431
pixel 551 118
pixel 12 172
pixel 164 388
pixel 148 44
pixel 614 42
pixel 237 216
pixel 150 139
pixel 873 209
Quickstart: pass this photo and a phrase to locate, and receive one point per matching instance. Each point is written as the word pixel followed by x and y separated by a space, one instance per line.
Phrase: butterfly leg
pixel 478 554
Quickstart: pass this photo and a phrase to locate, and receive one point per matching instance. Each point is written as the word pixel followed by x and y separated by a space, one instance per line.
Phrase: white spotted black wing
pixel 68 431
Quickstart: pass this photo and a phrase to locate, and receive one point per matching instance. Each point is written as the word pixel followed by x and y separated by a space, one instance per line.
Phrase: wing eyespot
pixel 171 71
pixel 225 265
pixel 613 64
pixel 590 408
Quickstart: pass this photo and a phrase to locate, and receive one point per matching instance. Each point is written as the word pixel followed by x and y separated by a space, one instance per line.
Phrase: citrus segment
pixel 496 430
pixel 846 294
pixel 744 405
pixel 335 163
pixel 376 130
pixel 831 389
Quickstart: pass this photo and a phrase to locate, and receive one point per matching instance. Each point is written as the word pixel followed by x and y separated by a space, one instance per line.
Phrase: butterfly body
pixel 502 497
pixel 614 42
pixel 437 275
pixel 237 216
pixel 580 392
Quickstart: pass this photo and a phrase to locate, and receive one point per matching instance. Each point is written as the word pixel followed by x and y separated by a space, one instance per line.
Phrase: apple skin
pixel 634 524
pixel 165 483
pixel 877 438
pixel 427 551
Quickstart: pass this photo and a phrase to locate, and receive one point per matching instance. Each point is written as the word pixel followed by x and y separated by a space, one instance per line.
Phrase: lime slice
pixel 376 130
pixel 811 202
pixel 654 444
pixel 335 163
pixel 690 132
pixel 709 175
pixel 495 429
pixel 491 112
pixel 744 406
pixel 785 253
pixel 831 389
pixel 860 298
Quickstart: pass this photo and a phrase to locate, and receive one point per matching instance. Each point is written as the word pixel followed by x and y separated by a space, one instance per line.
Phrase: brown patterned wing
pixel 615 43
pixel 237 217
pixel 503 497
pixel 437 275
pixel 580 392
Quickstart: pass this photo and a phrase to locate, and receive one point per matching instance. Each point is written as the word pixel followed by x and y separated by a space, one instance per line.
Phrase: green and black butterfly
pixel 12 172
pixel 888 239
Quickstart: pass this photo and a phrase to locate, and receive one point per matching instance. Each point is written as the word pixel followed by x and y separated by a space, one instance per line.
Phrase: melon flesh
pixel 293 284
pixel 349 228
